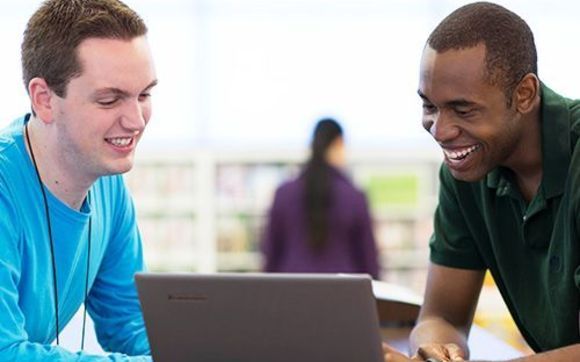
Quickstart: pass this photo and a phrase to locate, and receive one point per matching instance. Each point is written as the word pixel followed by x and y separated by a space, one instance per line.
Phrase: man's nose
pixel 441 127
pixel 133 117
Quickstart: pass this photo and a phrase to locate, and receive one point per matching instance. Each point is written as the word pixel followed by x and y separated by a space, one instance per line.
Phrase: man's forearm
pixel 437 330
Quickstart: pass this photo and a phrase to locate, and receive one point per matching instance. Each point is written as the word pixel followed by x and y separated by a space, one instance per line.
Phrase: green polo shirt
pixel 532 250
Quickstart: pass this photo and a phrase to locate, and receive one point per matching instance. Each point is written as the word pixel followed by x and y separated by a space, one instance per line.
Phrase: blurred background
pixel 242 82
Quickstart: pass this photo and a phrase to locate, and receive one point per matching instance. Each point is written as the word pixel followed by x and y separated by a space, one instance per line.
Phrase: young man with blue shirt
pixel 68 233
pixel 509 196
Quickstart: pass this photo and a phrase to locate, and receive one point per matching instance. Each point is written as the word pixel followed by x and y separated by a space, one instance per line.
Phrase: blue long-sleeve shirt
pixel 27 313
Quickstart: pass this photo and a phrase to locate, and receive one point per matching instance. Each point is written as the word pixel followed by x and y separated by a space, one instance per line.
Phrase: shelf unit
pixel 205 210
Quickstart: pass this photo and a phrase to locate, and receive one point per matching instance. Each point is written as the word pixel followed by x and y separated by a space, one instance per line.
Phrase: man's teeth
pixel 120 142
pixel 458 155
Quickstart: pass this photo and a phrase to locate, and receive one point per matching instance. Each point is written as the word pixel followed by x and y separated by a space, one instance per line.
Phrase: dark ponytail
pixel 317 189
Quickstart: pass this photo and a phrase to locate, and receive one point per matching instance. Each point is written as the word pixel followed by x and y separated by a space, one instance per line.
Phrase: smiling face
pixel 104 113
pixel 465 114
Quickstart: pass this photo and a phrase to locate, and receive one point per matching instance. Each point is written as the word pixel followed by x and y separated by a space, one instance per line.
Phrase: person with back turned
pixel 320 222
pixel 509 197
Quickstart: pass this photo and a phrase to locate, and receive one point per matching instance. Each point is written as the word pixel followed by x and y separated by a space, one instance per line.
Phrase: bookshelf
pixel 205 210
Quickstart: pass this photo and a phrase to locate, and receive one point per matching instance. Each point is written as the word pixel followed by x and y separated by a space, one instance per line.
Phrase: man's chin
pixel 468 175
pixel 119 168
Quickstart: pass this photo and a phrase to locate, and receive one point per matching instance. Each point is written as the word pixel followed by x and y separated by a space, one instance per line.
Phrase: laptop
pixel 257 317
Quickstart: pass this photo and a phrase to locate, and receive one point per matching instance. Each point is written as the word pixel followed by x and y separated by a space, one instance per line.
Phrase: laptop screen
pixel 260 317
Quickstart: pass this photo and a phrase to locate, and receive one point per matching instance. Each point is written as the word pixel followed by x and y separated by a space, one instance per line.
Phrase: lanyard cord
pixel 52 254
pixel 87 277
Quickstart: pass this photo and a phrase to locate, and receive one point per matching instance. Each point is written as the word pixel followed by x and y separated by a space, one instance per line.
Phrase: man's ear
pixel 41 97
pixel 527 93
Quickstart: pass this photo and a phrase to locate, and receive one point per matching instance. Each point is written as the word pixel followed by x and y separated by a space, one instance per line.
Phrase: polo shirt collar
pixel 555 125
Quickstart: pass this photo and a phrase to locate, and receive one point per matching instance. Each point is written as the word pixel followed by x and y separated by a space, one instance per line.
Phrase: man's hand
pixel 442 352
pixel 393 355
pixel 439 352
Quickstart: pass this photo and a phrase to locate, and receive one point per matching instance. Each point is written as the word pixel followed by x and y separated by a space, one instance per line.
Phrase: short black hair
pixel 509 42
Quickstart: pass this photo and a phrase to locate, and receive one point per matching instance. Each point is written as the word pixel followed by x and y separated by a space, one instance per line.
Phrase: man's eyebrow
pixel 461 102
pixel 423 96
pixel 121 93
pixel 111 91
pixel 151 85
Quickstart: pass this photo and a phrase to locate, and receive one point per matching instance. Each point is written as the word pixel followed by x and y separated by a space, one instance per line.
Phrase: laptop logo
pixel 182 297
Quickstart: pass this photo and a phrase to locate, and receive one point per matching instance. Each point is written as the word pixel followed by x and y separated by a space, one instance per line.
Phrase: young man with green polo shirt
pixel 510 188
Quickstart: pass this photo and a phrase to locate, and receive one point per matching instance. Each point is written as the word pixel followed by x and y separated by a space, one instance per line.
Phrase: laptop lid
pixel 260 317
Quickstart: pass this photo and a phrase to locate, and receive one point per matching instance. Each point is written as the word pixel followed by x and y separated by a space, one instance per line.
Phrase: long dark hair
pixel 317 189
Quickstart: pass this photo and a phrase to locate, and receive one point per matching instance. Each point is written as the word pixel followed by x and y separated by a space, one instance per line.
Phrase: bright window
pixel 260 72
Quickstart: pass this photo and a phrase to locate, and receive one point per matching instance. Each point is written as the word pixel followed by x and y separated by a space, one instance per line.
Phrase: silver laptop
pixel 260 317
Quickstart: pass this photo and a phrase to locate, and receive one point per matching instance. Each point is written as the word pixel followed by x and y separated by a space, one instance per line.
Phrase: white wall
pixel 262 71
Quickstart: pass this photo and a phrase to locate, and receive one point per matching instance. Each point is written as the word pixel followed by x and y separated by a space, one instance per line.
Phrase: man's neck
pixel 527 160
pixel 61 179
pixel 529 186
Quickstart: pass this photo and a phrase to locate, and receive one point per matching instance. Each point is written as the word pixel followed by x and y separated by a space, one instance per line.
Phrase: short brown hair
pixel 53 33
pixel 508 40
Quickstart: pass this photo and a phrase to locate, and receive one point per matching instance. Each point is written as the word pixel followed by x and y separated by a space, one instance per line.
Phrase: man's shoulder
pixel 10 153
pixel 7 141
pixel 11 170
pixel 7 150
pixel 575 152
pixel 9 135
pixel 574 119
pixel 572 106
